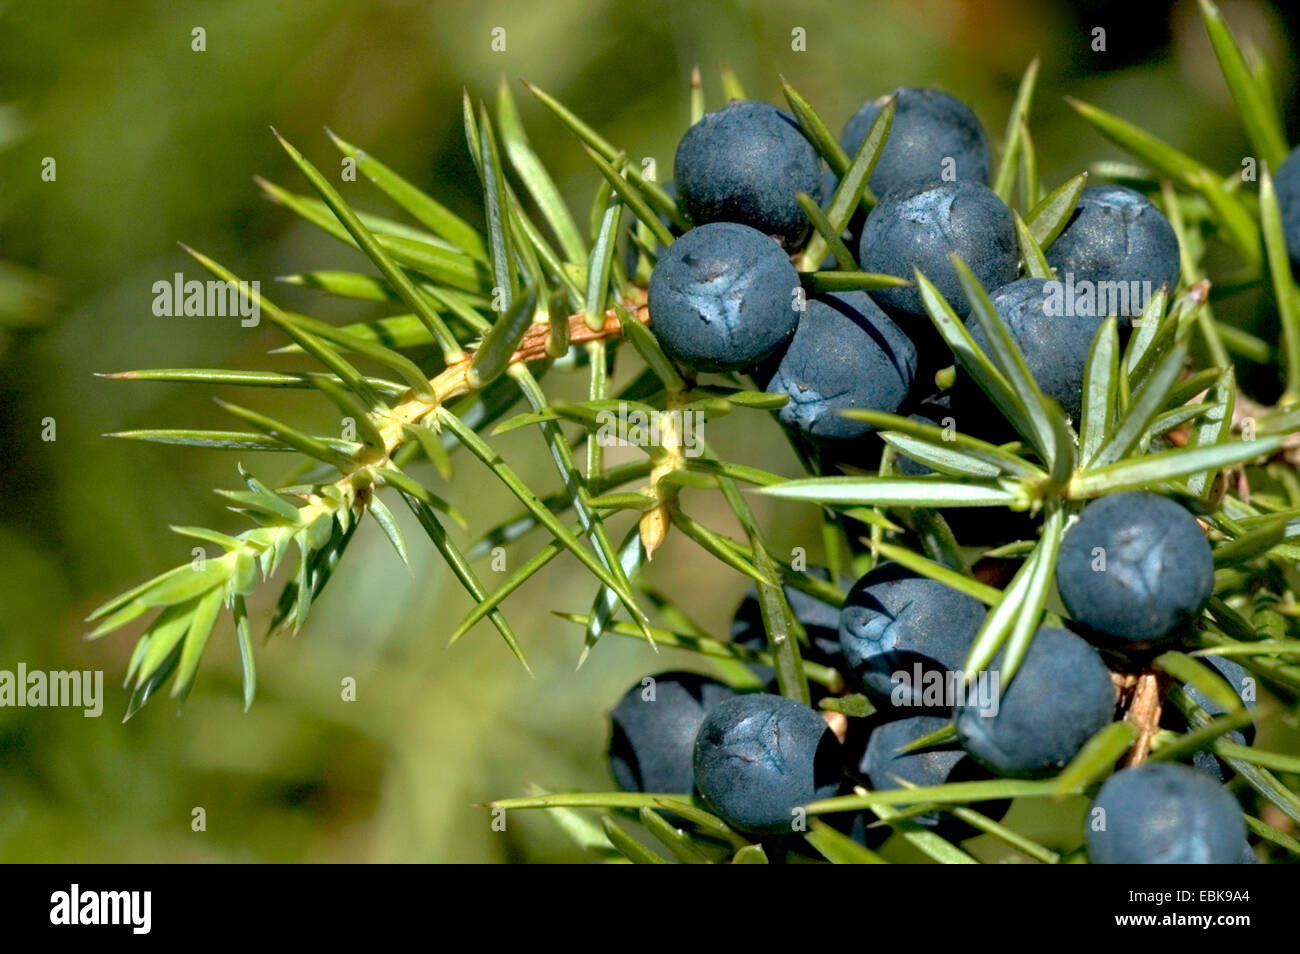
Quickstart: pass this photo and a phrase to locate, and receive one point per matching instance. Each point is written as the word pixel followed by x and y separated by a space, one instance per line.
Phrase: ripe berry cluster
pixel 725 296
pixel 1134 573
pixel 756 757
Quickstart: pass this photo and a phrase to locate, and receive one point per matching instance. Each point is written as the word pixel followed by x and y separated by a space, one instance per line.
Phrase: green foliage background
pixel 155 143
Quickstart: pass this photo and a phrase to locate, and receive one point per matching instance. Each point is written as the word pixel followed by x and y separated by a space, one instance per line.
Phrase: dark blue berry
pixel 895 621
pixel 745 163
pixel 845 354
pixel 885 767
pixel 1243 683
pixel 758 757
pixel 1164 814
pixel 1286 182
pixel 919 230
pixel 722 298
pixel 654 729
pixel 1116 236
pixel 1135 570
pixel 932 138
pixel 1053 333
pixel 820 622
pixel 1059 697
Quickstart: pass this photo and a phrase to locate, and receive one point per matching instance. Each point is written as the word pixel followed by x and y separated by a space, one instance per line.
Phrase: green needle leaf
pixel 630 555
pixel 628 846
pixel 391 476
pixel 236 378
pixel 893 491
pixel 1145 406
pixel 1004 179
pixel 731 87
pixel 427 210
pixel 1187 669
pixel 671 838
pixel 443 264
pixel 827 236
pixel 1097 757
pixel 753 855
pixel 409 372
pixel 990 454
pixel 507 586
pixel 630 194
pixel 1252 544
pixel 503 338
pixel 579 494
pixel 1277 761
pixel 954 793
pixel 654 193
pixel 944 459
pixel 819 133
pixel 1181 168
pixel 821 282
pixel 244 638
pixel 1214 429
pixel 1100 390
pixel 463 571
pixel 851 192
pixel 1284 286
pixel 1271 834
pixel 1028 169
pixel 601 262
pixel 1005 355
pixel 1144 471
pixel 838 848
pixel 535 177
pixel 913 561
pixel 220 440
pixel 647 346
pixel 719 546
pixel 989 378
pixel 1049 217
pixel 145 689
pixel 1203 737
pixel 202 621
pixel 299 441
pixel 375 252
pixel 184 587
pixel 359 411
pixel 384 517
pixel 1255 102
pixel 1030 253
pixel 305 340
pixel 496 203
pixel 165 634
pixel 519 488
pixel 1014 620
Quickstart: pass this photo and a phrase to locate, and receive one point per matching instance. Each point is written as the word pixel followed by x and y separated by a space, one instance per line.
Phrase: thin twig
pixel 1144 715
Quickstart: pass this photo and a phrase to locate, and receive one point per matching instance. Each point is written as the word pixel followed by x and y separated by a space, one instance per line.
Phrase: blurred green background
pixel 154 142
